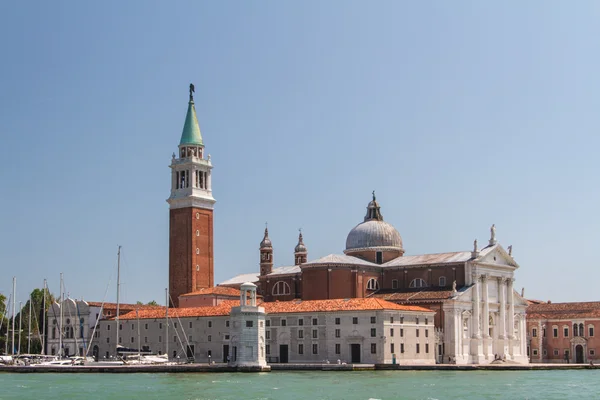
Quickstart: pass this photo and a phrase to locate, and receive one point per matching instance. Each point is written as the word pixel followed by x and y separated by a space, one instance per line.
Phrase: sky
pixel 458 114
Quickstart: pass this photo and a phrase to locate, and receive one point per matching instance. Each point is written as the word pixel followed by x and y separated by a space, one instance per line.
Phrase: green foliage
pixel 152 303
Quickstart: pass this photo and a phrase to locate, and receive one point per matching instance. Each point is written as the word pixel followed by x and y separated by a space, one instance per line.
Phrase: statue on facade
pixel 454 286
pixel 493 232
pixel 475 247
pixel 510 250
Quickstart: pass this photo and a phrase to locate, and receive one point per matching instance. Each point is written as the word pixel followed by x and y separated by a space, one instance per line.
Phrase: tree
pixel 39 308
pixel 152 303
pixel 3 323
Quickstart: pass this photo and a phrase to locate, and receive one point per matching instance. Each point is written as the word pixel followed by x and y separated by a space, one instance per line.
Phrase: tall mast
pixel 13 315
pixel 6 314
pixel 118 290
pixel 29 329
pixel 20 326
pixel 60 326
pixel 167 322
pixel 139 341
pixel 44 319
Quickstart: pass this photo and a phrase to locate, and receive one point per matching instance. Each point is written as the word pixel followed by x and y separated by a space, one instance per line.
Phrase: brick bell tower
pixel 191 262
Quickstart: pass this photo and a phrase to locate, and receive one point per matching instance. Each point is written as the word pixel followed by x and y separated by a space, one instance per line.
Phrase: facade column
pixel 476 327
pixel 486 307
pixel 511 308
pixel 208 181
pixel 502 321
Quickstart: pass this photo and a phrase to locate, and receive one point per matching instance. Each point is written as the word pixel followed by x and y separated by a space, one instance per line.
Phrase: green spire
pixel 191 130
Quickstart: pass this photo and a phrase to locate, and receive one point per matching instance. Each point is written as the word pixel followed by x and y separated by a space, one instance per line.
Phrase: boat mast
pixel 6 314
pixel 44 319
pixel 13 315
pixel 139 342
pixel 60 327
pixel 118 289
pixel 29 329
pixel 167 322
pixel 20 326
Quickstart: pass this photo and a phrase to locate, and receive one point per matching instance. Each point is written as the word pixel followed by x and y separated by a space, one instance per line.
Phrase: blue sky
pixel 459 114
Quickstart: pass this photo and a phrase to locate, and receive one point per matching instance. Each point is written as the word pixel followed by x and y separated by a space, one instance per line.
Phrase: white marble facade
pixel 486 319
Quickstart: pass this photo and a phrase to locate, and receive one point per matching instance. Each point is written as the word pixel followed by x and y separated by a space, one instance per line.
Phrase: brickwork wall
pixel 191 261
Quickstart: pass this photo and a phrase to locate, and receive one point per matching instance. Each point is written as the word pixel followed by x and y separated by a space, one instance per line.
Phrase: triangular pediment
pixel 496 255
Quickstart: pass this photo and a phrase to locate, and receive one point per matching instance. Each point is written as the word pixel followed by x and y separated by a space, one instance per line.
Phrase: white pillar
pixel 476 327
pixel 486 307
pixel 511 308
pixel 209 181
pixel 502 321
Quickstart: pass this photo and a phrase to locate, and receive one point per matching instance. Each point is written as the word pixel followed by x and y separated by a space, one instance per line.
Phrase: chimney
pixel 549 301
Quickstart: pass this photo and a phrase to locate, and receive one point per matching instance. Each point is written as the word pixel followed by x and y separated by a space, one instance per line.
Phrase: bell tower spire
pixel 191 212
pixel 266 254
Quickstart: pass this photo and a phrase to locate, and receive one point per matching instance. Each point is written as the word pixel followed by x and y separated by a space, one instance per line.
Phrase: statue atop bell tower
pixel 191 261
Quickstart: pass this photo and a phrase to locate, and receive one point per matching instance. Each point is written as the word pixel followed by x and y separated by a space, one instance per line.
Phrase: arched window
pixel 575 330
pixel 417 283
pixel 372 284
pixel 442 281
pixel 281 288
pixel 581 330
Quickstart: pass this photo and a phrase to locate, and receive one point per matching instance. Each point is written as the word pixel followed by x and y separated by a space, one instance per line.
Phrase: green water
pixel 582 384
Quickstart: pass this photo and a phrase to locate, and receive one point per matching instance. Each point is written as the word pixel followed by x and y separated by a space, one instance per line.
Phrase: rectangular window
pixel 226 337
pixel 176 325
pixel 209 338
pixel 160 339
pixel 120 339
pixel 426 332
pixel 555 332
pixel 190 324
pixel 417 320
pixel 132 339
pixel 338 348
pixel 283 322
pixel 314 321
pixel 417 332
pixel 535 352
pixel 401 332
pixel 337 321
pixel 566 332
pixel 591 331
pixel 373 348
pixel 300 334
pixel 268 322
pixel 401 320
pixel 268 334
pixel 315 348
pixel 145 326
pixel 426 321
pixel 592 352
pixel 394 283
pixel 107 328
pixel 544 332
pixel 145 339
pixel 401 347
pixel 227 324
pixel 132 327
pixel 426 347
pixel 534 332
pixel 314 334
pixel 337 333
pixel 120 327
pixel 268 348
pixel 556 352
pixel 391 320
pixel 249 324
pixel 107 340
pixel 373 332
pixel 301 322
pixel 355 320
pixel 545 352
pixel 175 338
pixel 392 348
pixel 418 348
pixel 160 325
pixel 209 324
pixel 300 348
pixel 373 320
pixel 392 332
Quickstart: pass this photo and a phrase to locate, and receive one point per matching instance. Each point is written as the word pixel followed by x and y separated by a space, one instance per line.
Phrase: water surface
pixel 384 385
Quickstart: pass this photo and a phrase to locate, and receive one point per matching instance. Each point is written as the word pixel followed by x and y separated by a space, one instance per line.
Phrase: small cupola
pixel 300 252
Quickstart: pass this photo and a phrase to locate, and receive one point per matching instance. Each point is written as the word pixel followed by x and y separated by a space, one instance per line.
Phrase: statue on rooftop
pixel 475 247
pixel 510 250
pixel 454 286
pixel 493 232
pixel 192 91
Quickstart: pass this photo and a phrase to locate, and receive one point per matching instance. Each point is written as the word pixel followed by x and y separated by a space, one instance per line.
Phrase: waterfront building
pixel 563 332
pixel 360 330
pixel 479 316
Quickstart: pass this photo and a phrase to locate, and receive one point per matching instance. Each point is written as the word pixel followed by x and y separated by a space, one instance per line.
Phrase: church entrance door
pixel 579 354
pixel 355 353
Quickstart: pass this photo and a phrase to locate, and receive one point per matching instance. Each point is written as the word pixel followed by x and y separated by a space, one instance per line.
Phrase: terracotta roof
pixel 278 307
pixel 589 309
pixel 415 297
pixel 217 290
pixel 123 306
pixel 300 306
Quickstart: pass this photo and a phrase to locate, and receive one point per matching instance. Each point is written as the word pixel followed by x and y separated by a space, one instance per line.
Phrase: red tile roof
pixel 122 306
pixel 217 290
pixel 589 309
pixel 278 307
pixel 424 296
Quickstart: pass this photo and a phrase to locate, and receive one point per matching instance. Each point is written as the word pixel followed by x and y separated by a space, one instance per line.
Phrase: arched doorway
pixel 579 354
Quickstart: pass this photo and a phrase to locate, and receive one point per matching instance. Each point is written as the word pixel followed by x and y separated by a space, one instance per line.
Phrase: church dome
pixel 300 247
pixel 374 232
pixel 266 242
